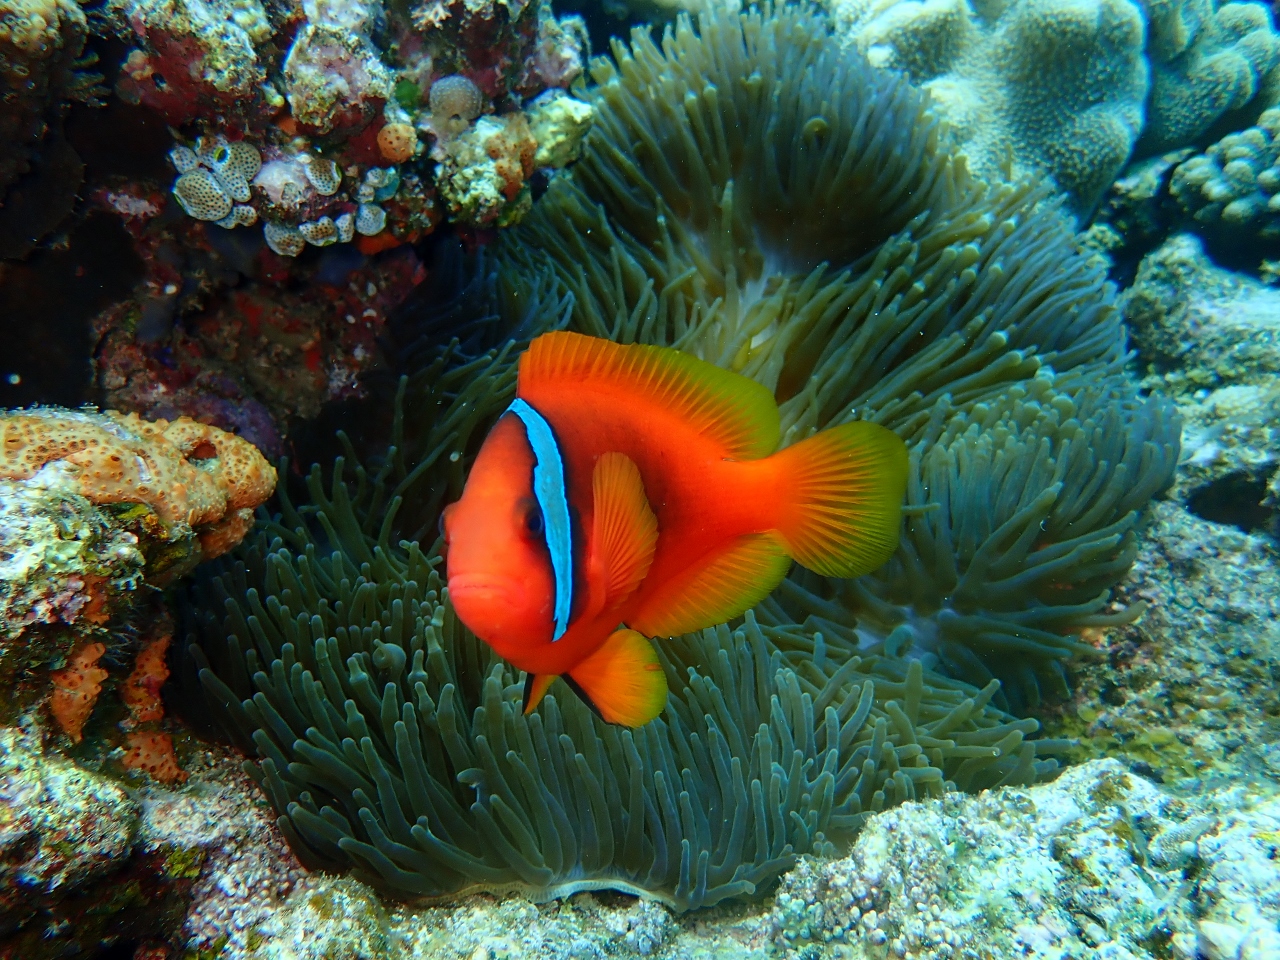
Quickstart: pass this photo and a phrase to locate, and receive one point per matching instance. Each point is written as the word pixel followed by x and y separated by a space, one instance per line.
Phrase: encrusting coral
pixel 753 195
pixel 186 472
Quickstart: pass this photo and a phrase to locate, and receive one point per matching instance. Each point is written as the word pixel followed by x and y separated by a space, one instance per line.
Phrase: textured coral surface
pixel 1071 88
pixel 185 471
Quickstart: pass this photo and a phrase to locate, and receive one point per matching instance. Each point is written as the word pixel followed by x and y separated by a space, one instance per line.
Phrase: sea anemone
pixel 392 744
pixel 754 195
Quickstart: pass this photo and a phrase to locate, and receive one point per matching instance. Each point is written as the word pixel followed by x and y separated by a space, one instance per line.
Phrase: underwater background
pixel 267 268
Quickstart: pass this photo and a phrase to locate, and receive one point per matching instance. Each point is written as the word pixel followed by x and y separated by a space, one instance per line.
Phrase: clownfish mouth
pixel 479 590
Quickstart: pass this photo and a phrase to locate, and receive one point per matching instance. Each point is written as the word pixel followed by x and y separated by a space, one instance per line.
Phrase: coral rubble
pixel 1071 89
pixel 1092 864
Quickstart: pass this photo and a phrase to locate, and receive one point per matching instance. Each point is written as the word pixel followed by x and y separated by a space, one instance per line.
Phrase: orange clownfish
pixel 632 492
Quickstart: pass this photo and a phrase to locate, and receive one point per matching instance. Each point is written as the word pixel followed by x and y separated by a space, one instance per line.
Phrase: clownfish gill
pixel 549 489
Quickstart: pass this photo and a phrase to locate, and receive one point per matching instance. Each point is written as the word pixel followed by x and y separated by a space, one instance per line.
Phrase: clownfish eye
pixel 531 518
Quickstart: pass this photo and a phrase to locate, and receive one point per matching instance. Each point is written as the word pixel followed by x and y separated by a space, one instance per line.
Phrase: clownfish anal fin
pixel 535 688
pixel 623 680
pixel 722 586
pixel 624 529
pixel 735 412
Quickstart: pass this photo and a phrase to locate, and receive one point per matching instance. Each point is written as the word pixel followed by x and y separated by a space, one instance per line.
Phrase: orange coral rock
pixel 397 142
pixel 152 753
pixel 75 689
pixel 185 471
pixel 141 691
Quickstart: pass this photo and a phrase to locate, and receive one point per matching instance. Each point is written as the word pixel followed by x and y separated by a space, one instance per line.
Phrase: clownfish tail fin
pixel 842 493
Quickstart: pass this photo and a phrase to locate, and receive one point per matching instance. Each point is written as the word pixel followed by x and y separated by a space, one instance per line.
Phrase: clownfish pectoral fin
pixel 623 680
pixel 737 413
pixel 844 489
pixel 535 688
pixel 624 529
pixel 724 585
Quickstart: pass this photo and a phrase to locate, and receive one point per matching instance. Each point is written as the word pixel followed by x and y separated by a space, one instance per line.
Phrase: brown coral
pixel 76 688
pixel 187 472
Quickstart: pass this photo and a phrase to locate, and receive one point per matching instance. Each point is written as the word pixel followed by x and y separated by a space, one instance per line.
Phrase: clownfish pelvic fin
pixel 622 681
pixel 535 688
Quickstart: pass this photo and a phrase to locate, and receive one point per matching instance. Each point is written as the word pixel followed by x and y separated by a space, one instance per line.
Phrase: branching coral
pixel 810 227
pixel 392 742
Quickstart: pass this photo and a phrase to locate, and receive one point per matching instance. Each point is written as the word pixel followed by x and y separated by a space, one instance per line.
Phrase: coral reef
pixel 1071 89
pixel 310 121
pixel 824 239
pixel 222 330
pixel 1208 337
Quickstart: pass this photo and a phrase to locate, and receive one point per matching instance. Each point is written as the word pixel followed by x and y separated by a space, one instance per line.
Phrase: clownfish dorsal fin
pixel 732 410
pixel 720 586
pixel 535 688
pixel 624 529
pixel 623 680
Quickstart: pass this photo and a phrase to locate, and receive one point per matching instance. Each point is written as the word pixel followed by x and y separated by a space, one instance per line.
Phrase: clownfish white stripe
pixel 549 489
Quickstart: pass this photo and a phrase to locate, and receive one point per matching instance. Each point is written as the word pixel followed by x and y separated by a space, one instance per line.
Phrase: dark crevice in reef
pixel 47 303
pixel 1237 499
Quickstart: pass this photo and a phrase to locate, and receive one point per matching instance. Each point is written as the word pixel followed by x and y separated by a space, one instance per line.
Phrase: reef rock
pixel 92 507
pixel 1071 88
pixel 1208 337
pixel 1094 864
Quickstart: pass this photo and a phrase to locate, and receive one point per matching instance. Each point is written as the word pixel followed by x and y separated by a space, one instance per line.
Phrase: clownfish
pixel 631 492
